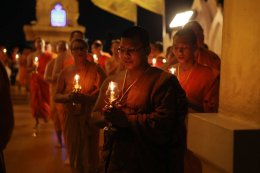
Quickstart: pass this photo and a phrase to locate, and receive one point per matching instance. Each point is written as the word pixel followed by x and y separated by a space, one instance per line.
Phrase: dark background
pixel 99 23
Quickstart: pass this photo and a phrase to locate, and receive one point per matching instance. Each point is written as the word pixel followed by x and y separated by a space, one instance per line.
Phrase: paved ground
pixel 28 154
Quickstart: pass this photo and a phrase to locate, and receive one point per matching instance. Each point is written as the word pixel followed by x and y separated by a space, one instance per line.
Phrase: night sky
pixel 99 24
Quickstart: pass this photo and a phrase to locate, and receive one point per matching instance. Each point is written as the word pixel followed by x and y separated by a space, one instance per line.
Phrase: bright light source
pixel 181 19
pixel 58 16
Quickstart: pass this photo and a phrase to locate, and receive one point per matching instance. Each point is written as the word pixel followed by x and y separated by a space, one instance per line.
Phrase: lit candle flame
pixel 17 56
pixel 4 50
pixel 112 87
pixel 172 70
pixel 164 60
pixel 36 61
pixel 36 64
pixel 77 86
pixel 95 58
pixel 154 61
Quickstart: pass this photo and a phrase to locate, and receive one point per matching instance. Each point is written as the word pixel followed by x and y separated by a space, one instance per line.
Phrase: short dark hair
pixel 74 33
pixel 80 41
pixel 158 45
pixel 97 44
pixel 194 24
pixel 137 32
pixel 187 33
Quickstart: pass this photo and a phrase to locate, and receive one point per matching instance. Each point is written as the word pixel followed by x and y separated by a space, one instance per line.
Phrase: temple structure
pixel 54 20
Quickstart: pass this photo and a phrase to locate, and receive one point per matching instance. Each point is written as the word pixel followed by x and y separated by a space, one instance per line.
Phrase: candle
pixel 36 63
pixel 95 58
pixel 172 70
pixel 4 50
pixel 112 87
pixel 17 57
pixel 154 61
pixel 164 60
pixel 77 86
pixel 112 92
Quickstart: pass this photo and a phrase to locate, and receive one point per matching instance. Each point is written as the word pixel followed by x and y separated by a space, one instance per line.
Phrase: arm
pixel 6 115
pixel 30 66
pixel 48 72
pixel 61 96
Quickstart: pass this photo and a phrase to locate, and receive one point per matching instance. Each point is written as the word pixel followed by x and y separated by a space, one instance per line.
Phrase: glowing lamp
pixel 181 19
pixel 58 16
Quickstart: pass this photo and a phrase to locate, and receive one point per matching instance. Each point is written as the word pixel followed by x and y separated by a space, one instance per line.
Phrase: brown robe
pixel 154 141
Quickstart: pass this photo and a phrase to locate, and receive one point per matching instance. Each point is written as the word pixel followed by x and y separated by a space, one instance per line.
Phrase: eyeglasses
pixel 129 50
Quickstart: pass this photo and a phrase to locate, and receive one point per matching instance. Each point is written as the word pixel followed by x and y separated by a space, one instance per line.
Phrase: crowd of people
pixel 122 111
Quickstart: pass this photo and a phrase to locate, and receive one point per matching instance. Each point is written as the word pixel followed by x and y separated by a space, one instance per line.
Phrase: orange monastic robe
pixel 201 85
pixel 208 58
pixel 40 94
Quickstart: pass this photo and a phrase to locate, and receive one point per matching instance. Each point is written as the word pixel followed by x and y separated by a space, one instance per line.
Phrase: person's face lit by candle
pixel 79 50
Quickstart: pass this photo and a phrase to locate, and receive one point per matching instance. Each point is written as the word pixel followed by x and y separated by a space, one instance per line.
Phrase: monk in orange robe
pixel 99 55
pixel 114 65
pixel 22 73
pixel 147 113
pixel 203 55
pixel 78 96
pixel 201 84
pixel 39 88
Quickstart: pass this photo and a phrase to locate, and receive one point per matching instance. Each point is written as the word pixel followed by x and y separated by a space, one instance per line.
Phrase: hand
pixel 116 116
pixel 77 97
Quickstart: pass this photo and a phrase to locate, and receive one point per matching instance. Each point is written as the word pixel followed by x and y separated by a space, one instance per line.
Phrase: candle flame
pixel 112 85
pixel 172 70
pixel 76 77
pixel 154 61
pixel 95 58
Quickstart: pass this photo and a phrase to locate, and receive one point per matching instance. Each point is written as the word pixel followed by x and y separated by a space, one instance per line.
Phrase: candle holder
pixel 112 95
pixel 76 90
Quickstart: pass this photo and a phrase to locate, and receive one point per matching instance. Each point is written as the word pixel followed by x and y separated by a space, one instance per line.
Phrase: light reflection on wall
pixel 58 16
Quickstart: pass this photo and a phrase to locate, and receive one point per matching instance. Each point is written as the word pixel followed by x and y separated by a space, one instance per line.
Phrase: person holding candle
pixel 147 116
pixel 39 88
pixel 77 88
pixel 200 82
pixel 97 50
pixel 156 57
